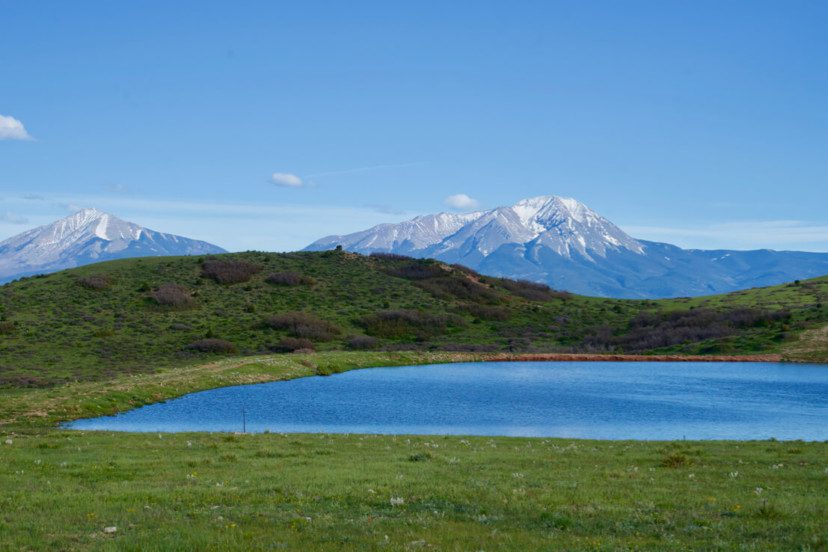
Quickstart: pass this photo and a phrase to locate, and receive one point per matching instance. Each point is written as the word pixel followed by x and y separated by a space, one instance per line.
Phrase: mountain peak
pixel 560 224
pixel 86 236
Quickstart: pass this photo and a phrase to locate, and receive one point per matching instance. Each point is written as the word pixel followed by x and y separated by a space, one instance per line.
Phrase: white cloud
pixel 461 201
pixel 12 129
pixel 12 218
pixel 287 180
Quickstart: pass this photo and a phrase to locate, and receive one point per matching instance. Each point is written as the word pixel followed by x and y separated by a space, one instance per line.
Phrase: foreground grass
pixel 60 490
pixel 67 490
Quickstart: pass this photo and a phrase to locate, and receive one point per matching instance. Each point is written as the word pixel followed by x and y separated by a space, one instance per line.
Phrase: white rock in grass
pixel 110 530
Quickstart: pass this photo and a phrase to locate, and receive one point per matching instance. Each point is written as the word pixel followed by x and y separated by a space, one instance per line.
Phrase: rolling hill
pixel 138 315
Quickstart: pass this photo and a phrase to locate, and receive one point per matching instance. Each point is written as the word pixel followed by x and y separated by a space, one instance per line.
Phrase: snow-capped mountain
pixel 567 245
pixel 85 237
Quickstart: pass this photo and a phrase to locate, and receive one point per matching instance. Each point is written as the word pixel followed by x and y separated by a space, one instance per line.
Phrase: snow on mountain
pixel 86 237
pixel 562 224
pixel 567 245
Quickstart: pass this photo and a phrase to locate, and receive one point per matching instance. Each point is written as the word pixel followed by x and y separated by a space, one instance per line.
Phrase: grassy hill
pixel 138 315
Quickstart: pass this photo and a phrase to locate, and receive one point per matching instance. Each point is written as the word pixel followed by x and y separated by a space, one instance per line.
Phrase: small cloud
pixel 12 129
pixel 117 188
pixel 287 180
pixel 13 218
pixel 384 209
pixel 34 197
pixel 461 201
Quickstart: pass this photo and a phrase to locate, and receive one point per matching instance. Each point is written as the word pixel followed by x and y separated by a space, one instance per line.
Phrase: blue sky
pixel 703 124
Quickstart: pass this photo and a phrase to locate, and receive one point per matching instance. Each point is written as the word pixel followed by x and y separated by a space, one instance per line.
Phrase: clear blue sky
pixel 698 123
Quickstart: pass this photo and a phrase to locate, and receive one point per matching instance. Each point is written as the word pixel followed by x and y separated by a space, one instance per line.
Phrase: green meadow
pixel 70 490
pixel 114 336
pixel 140 315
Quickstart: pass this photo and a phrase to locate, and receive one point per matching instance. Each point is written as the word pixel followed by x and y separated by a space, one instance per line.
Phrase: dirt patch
pixel 567 357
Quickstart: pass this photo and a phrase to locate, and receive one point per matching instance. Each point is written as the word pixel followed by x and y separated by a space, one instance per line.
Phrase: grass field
pixel 110 337
pixel 62 490
pixel 67 490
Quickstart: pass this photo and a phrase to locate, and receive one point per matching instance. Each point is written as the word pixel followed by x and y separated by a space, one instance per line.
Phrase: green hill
pixel 138 315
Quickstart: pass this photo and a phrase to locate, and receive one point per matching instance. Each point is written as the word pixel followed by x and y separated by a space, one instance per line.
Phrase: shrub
pixel 390 256
pixel 532 291
pixel 303 324
pixel 173 295
pixel 212 345
pixel 289 279
pixel 228 271
pixel 459 287
pixel 649 330
pixel 95 281
pixel 417 270
pixel 362 342
pixel 468 347
pixel 23 381
pixel 396 324
pixel 675 459
pixel 292 345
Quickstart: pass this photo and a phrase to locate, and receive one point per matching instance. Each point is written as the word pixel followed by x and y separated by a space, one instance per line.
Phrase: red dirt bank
pixel 633 358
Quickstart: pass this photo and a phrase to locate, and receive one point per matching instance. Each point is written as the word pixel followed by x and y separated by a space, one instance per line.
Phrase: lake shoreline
pixel 607 357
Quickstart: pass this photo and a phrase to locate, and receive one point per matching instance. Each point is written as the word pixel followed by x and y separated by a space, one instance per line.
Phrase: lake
pixel 594 400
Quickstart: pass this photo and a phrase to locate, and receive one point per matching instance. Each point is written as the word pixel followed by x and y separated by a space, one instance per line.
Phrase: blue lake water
pixel 596 400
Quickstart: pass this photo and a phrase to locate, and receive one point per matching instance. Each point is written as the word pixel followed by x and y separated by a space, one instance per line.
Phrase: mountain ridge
pixel 563 243
pixel 87 236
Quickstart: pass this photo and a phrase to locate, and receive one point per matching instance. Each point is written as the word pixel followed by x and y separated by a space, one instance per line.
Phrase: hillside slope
pixel 138 315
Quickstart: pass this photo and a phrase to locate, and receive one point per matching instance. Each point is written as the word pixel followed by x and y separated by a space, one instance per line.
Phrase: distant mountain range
pixel 567 245
pixel 85 237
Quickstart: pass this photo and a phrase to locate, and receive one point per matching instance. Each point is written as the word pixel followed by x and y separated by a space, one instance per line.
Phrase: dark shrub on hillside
pixel 532 291
pixel 228 271
pixel 173 295
pixel 289 279
pixel 6 327
pixel 459 287
pixel 291 345
pixel 418 270
pixel 362 342
pixel 303 324
pixel 95 281
pixel 468 347
pixel 23 381
pixel 396 324
pixel 486 312
pixel 212 345
pixel 390 256
pixel 659 330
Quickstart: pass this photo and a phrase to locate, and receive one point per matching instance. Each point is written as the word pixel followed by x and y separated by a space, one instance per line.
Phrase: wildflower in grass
pixel 734 474
pixel 397 501
pixel 110 530
pixel 777 466
pixel 758 490
pixel 9 441
pixel 691 476
pixel 518 475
